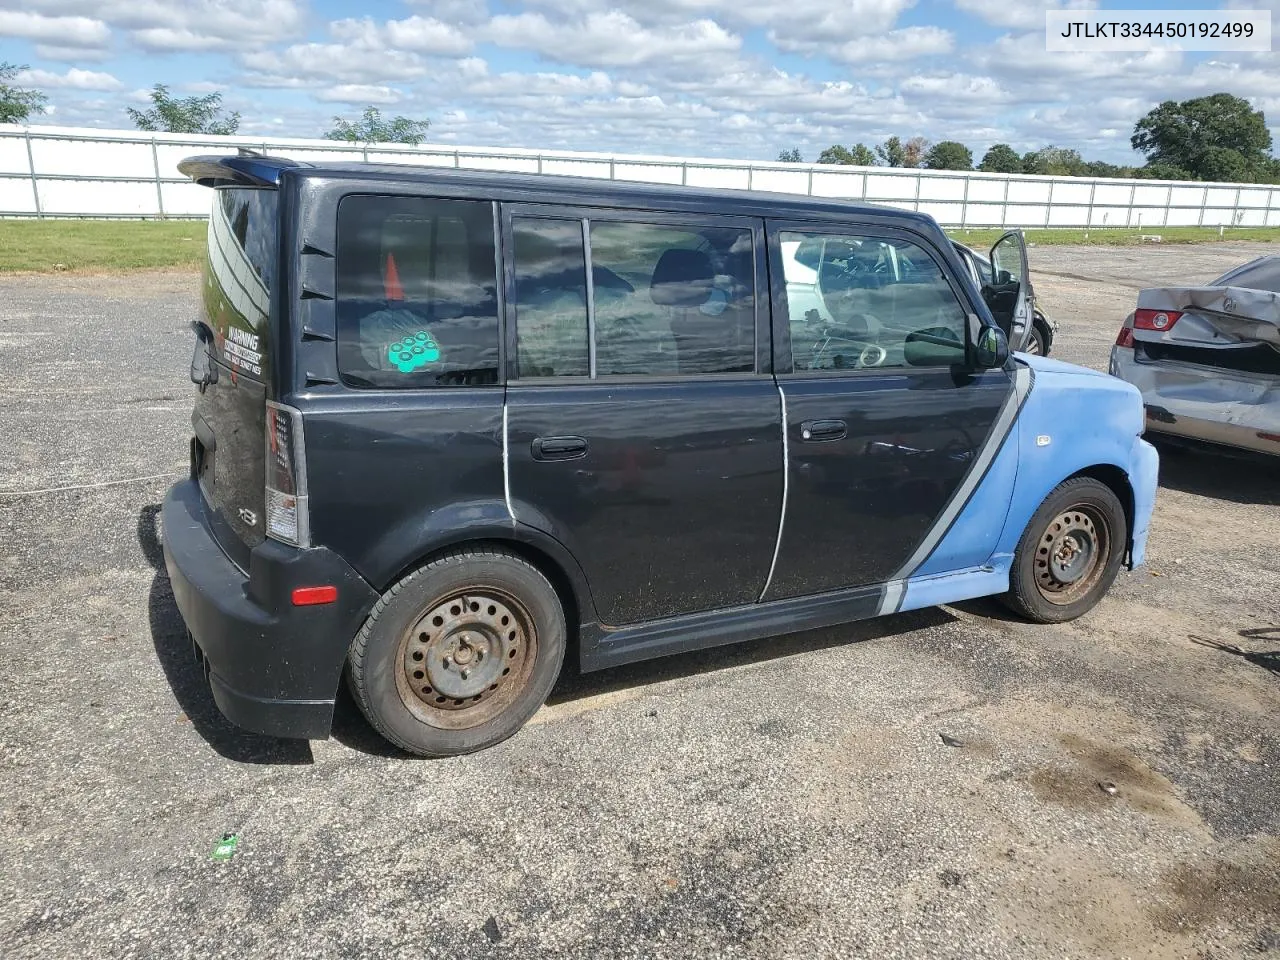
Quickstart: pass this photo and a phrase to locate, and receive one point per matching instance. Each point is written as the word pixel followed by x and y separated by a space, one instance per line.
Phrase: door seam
pixel 786 484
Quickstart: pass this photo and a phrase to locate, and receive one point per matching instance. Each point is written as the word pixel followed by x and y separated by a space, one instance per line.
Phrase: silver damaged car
pixel 1207 359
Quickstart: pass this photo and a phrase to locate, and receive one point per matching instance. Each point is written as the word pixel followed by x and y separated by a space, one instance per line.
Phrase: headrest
pixel 682 278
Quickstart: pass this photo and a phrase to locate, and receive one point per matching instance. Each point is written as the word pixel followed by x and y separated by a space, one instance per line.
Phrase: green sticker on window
pixel 414 352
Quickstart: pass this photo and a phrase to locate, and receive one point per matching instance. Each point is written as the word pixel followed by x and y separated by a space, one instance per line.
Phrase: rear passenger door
pixel 643 426
pixel 885 421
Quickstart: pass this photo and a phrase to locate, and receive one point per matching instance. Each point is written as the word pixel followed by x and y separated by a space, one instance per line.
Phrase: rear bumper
pixel 1211 406
pixel 273 668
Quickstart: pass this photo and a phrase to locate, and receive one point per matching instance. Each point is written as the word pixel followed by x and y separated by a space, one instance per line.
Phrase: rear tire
pixel 459 654
pixel 1069 554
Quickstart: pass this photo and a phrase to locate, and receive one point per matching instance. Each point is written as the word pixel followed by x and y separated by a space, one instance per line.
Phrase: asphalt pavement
pixel 945 783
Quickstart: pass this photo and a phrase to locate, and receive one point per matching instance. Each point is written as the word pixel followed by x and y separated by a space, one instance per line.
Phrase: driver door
pixel 1008 290
pixel 884 419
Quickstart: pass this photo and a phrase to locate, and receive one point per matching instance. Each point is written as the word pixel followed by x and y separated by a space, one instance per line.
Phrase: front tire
pixel 1037 344
pixel 1069 554
pixel 459 654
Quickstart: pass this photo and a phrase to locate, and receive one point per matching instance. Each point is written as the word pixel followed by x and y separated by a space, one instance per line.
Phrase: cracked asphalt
pixel 1105 788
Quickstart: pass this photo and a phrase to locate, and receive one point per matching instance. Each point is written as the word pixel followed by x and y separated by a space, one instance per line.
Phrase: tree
pixel 184 115
pixel 17 103
pixel 1162 171
pixel 859 155
pixel 949 155
pixel 1098 168
pixel 894 153
pixel 1193 134
pixel 914 150
pixel 371 128
pixel 1001 158
pixel 1054 161
pixel 790 156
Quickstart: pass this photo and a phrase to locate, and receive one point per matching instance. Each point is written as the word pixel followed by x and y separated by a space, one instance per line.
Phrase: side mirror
pixel 991 349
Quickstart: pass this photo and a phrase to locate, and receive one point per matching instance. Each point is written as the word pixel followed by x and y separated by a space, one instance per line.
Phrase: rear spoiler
pixel 246 170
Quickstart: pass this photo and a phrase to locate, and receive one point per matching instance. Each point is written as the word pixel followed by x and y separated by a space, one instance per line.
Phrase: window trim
pixel 783 359
pixel 762 360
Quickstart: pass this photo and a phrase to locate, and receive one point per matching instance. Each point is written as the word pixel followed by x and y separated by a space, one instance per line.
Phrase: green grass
pixel 46 246
pixel 1117 237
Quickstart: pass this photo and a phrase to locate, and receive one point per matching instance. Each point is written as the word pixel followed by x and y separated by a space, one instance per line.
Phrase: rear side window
pixel 417 292
pixel 551 298
pixel 664 300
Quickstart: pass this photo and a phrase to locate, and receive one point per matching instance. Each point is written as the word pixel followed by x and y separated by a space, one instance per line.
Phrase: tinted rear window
pixel 244 248
pixel 417 292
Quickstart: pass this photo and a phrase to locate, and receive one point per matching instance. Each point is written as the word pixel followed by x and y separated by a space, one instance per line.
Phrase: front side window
pixel 861 302
pixel 417 297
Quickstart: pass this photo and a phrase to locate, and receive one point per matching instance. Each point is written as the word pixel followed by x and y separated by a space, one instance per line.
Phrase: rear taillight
pixel 286 493
pixel 1125 337
pixel 1160 320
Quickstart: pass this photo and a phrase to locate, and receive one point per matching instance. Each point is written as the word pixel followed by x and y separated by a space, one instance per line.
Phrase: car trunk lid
pixel 1226 328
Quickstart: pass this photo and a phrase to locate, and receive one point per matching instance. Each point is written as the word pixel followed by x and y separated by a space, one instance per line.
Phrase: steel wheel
pixel 1072 554
pixel 466 658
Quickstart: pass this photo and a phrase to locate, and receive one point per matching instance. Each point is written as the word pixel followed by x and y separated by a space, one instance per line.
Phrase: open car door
pixel 1008 290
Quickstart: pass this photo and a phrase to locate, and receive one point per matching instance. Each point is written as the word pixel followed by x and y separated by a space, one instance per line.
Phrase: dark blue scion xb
pixel 451 427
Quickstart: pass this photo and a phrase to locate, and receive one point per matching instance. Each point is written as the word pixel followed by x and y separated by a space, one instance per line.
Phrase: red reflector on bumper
pixel 310 596
pixel 1125 337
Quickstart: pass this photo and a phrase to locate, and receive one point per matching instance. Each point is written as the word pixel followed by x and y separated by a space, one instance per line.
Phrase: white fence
pixel 70 172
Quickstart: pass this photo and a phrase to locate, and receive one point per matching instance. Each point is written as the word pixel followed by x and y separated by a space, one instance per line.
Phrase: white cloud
pixel 63 54
pixel 62 31
pixel 611 39
pixel 167 25
pixel 908 43
pixel 73 79
pixel 360 93
pixel 305 63
pixel 1022 15
pixel 417 34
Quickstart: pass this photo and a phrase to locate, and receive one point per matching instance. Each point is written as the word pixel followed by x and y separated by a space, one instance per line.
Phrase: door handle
pixel 559 448
pixel 818 430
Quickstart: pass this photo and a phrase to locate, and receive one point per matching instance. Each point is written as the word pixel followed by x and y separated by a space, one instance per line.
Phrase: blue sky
pixel 740 78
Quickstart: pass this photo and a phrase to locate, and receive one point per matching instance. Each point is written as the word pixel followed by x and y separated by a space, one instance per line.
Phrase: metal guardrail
pixel 458 157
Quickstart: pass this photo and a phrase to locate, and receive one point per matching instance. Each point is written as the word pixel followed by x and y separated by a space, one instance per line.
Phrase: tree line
pixel 1218 138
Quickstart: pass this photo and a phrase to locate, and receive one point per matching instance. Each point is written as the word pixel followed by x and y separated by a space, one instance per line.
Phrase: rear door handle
pixel 817 430
pixel 559 448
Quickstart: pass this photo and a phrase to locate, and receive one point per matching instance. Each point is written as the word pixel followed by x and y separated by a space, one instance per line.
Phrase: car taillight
pixel 286 488
pixel 1125 337
pixel 1161 320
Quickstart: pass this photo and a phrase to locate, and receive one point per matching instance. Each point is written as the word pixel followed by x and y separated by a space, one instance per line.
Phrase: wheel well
pixel 542 561
pixel 1118 481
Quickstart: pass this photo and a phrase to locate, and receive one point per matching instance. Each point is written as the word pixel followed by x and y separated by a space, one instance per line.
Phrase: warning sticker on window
pixel 241 348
